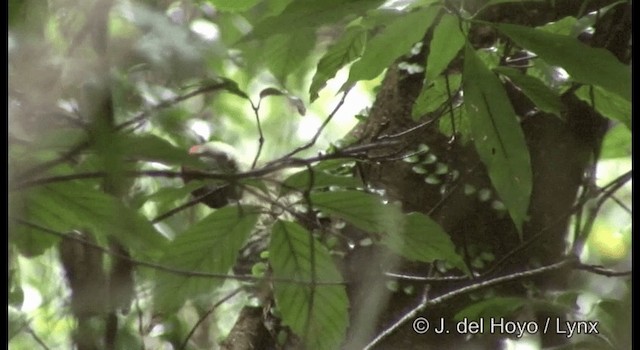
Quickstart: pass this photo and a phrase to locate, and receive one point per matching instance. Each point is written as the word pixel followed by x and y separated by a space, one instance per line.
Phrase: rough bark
pixel 561 153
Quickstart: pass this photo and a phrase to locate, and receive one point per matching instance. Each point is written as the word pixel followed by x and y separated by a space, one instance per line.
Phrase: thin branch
pixel 312 258
pixel 184 206
pixel 346 153
pixel 168 269
pixel 618 181
pixel 426 302
pixel 601 270
pixel 606 193
pixel 411 129
pixel 75 150
pixel 615 184
pixel 502 279
pixel 318 132
pixel 450 100
pixel 621 204
pixel 170 102
pixel 36 338
pixel 140 324
pixel 406 277
pixel 201 319
pixel 40 168
pixel 260 134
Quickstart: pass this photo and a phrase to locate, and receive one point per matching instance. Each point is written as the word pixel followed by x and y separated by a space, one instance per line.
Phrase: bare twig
pixel 346 153
pixel 260 134
pixel 168 269
pixel 406 277
pixel 426 302
pixel 40 168
pixel 601 270
pixel 606 193
pixel 75 150
pixel 170 102
pixel 621 204
pixel 318 132
pixel 140 327
pixel 184 206
pixel 201 319
pixel 615 184
pixel 35 337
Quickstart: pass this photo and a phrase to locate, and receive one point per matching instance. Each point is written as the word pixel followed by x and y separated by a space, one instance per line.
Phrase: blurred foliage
pixel 179 73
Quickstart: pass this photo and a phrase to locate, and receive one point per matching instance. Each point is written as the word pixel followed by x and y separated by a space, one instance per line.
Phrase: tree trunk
pixel 562 151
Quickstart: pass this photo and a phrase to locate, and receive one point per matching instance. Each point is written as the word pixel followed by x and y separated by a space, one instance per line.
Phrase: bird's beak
pixel 194 149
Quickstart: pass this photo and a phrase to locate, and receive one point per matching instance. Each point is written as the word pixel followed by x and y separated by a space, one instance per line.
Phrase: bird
pixel 220 158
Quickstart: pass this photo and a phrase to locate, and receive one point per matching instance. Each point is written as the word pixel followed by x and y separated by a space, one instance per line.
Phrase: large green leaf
pixel 445 45
pixel 423 240
pixel 584 64
pixel 434 94
pixel 609 105
pixel 68 206
pixel 28 241
pixel 363 210
pixel 209 246
pixel 282 53
pixel 316 312
pixel 497 135
pixel 346 49
pixel 304 15
pixel 395 40
pixel 545 98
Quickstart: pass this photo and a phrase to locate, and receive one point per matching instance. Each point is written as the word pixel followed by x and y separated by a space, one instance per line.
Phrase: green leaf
pixel 209 246
pixel 498 2
pixel 616 143
pixel 615 320
pixel 363 210
pixel 17 321
pixel 445 45
pixel 316 312
pixel 584 64
pixel 498 137
pixel 347 49
pixel 172 194
pixel 29 242
pixel 423 240
pixel 308 15
pixel 564 26
pixel 609 105
pixel 153 148
pixel 434 94
pixel 283 52
pixel 395 40
pixel 233 5
pixel 59 139
pixel 321 179
pixel 495 307
pixel 271 91
pixel 85 208
pixel 28 15
pixel 545 98
pixel 16 294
